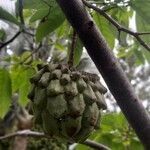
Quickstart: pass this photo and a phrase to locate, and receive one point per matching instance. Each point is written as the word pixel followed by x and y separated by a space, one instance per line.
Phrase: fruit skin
pixel 44 79
pixel 54 88
pixel 89 95
pixel 66 102
pixel 76 106
pixel 50 124
pixel 57 106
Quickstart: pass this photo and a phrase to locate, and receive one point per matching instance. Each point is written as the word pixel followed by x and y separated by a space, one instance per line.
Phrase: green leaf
pixel 143 26
pixel 64 30
pixel 106 29
pixel 52 22
pixel 33 4
pixel 140 58
pixel 25 86
pixel 59 46
pixel 16 72
pixel 38 4
pixel 39 14
pixel 20 81
pixel 78 52
pixel 114 133
pixel 7 16
pixel 146 55
pixel 116 120
pixel 2 35
pixel 122 16
pixel 142 9
pixel 142 17
pixel 82 147
pixel 5 91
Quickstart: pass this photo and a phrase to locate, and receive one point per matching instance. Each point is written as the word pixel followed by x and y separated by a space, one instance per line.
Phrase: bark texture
pixel 108 66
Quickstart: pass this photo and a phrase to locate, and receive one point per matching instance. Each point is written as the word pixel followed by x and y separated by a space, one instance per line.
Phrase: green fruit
pixel 71 89
pixel 40 97
pixel 81 84
pixel 54 88
pixel 100 87
pixel 100 100
pixel 90 115
pixel 37 76
pixel 76 106
pixel 56 74
pixel 70 126
pixel 89 95
pixel 31 94
pixel 65 79
pixel 44 81
pixel 75 75
pixel 50 124
pixel 67 102
pixel 37 114
pixel 83 134
pixel 57 106
pixel 98 122
pixel 92 84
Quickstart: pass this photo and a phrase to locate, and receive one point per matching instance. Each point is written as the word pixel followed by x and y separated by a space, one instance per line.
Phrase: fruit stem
pixel 71 53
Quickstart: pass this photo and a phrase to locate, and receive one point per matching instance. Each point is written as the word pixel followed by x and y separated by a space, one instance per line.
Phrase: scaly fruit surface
pixel 67 102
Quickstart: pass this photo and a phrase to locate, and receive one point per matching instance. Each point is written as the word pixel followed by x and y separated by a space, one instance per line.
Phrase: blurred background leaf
pixel 5 91
pixel 5 15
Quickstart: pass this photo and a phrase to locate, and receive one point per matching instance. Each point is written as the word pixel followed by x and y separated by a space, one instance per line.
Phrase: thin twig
pixel 143 33
pixel 20 11
pixel 11 40
pixel 29 133
pixel 3 44
pixel 117 25
pixel 96 145
pixel 31 54
pixel 71 54
pixel 106 9
pixel 48 9
pixel 24 133
pixel 26 32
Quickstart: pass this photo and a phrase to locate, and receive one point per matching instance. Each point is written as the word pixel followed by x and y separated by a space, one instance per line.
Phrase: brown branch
pixel 11 40
pixel 31 54
pixel 117 25
pixel 29 133
pixel 26 32
pixel 20 12
pixel 95 145
pixel 106 9
pixel 109 68
pixel 143 33
pixel 71 53
pixel 24 133
pixel 3 44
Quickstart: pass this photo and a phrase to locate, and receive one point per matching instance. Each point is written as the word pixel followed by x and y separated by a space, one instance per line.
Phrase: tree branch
pixel 28 33
pixel 143 33
pixel 14 37
pixel 24 133
pixel 95 145
pixel 29 133
pixel 11 40
pixel 20 11
pixel 71 53
pixel 109 68
pixel 117 25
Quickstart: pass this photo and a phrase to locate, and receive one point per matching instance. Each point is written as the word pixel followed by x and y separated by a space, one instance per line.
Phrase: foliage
pixel 7 16
pixel 51 34
pixel 5 90
pixel 116 133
